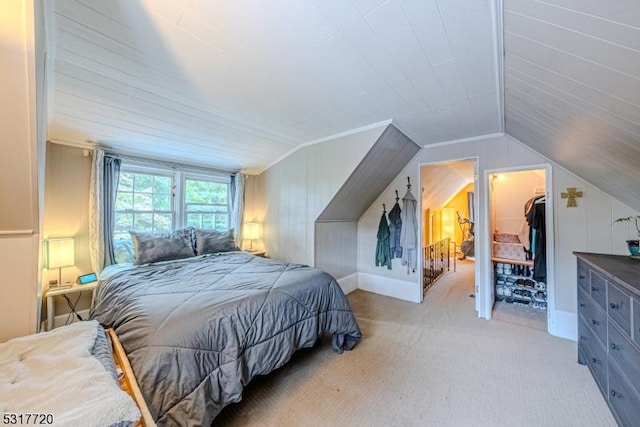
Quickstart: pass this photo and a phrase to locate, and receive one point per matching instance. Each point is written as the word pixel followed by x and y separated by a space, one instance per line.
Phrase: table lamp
pixel 59 253
pixel 251 232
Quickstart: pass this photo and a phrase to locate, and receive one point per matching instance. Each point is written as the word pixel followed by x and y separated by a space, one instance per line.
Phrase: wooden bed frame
pixel 128 381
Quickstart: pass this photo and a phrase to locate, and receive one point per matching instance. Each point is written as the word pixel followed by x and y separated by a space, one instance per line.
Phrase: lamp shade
pixel 251 231
pixel 59 252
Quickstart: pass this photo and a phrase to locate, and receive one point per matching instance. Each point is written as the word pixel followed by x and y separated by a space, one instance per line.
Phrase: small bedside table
pixel 53 292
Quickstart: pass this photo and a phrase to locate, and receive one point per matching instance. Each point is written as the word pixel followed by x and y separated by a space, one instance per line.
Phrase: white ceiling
pixel 240 84
pixel 572 87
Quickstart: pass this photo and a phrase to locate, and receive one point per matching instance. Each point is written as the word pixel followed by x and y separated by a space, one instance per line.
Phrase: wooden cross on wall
pixel 571 195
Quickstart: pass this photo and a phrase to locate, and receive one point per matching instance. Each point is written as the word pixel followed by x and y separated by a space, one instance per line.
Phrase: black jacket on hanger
pixel 536 219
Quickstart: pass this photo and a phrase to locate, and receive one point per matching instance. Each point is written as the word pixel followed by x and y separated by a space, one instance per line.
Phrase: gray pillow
pixel 154 247
pixel 211 241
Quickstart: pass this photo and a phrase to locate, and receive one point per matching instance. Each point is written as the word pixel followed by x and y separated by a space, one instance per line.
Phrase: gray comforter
pixel 197 330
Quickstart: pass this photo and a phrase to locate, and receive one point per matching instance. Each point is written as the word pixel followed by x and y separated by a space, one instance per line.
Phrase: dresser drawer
pixel 583 276
pixel 625 354
pixel 598 289
pixel 636 321
pixel 622 398
pixel 619 307
pixel 594 353
pixel 594 316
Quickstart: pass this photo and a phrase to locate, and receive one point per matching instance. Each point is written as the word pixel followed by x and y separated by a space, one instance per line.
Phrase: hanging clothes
pixel 409 233
pixel 383 250
pixel 538 242
pixel 395 228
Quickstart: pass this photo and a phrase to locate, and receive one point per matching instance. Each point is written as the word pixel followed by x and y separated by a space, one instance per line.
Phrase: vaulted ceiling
pixel 240 84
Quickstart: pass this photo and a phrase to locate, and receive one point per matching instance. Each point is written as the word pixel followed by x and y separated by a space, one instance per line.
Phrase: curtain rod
pixel 90 145
pixel 166 163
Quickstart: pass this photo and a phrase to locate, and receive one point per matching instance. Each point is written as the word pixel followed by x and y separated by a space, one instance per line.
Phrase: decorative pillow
pixel 154 247
pixel 211 241
pixel 506 238
pixel 123 251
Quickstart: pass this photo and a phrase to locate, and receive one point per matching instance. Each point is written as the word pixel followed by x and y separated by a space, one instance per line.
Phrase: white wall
pixel 19 193
pixel 290 195
pixel 585 228
pixel 510 192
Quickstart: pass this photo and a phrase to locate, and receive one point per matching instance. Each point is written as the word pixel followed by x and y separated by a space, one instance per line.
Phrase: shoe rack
pixel 514 284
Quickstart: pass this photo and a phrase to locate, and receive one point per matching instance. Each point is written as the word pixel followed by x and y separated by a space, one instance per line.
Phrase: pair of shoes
pixel 500 290
pixel 541 286
pixel 540 297
pixel 500 268
pixel 522 294
pixel 509 299
pixel 520 301
pixel 540 305
pixel 529 283
pixel 507 291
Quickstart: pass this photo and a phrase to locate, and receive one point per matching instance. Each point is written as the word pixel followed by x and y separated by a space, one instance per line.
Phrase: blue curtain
pixel 111 177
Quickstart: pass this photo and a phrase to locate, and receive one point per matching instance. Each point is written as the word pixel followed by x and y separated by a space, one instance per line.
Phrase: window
pixel 157 200
pixel 206 203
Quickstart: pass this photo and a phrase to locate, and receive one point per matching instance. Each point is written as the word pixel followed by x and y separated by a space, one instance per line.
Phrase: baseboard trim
pixel 565 325
pixel 348 283
pixel 401 289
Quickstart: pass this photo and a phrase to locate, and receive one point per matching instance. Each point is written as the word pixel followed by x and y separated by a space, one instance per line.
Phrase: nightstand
pixel 54 292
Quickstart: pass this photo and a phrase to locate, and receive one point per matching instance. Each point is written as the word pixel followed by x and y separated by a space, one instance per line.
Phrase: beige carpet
pixel 430 364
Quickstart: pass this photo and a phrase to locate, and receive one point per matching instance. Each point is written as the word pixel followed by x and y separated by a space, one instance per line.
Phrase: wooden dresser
pixel 609 329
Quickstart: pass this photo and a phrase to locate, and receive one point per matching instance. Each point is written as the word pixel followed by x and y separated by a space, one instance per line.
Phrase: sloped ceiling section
pixel 239 84
pixel 572 87
pixel 442 181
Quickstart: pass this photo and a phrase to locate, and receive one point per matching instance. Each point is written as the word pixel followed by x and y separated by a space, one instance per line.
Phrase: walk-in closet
pixel 518 229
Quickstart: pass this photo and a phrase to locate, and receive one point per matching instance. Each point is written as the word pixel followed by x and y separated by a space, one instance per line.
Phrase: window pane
pixel 143 222
pixel 123 222
pixel 208 221
pixel 162 222
pixel 142 202
pixel 197 191
pixel 143 183
pixel 124 200
pixel 161 202
pixel 162 185
pixel 221 222
pixel 125 182
pixel 194 220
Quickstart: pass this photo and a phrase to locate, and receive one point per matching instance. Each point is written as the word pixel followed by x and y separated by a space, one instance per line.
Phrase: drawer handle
pixel 596 361
pixel 582 276
pixel 582 304
pixel 615 346
pixel 614 306
pixel 616 394
pixel 583 338
pixel 594 289
pixel 595 322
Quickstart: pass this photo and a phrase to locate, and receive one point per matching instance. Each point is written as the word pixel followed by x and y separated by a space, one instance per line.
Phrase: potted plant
pixel 633 244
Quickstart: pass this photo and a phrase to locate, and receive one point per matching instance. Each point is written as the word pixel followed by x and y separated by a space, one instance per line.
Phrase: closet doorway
pixel 448 207
pixel 521 231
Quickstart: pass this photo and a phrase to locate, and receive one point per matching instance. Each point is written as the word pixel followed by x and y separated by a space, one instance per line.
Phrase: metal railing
pixel 436 261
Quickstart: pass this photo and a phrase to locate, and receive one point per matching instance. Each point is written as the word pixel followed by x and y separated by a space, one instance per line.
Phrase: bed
pixel 67 376
pixel 196 330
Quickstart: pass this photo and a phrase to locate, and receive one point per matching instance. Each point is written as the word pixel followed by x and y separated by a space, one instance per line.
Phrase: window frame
pixel 202 177
pixel 179 178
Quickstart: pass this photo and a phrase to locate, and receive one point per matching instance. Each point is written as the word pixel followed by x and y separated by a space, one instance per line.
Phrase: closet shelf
pixel 512 261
